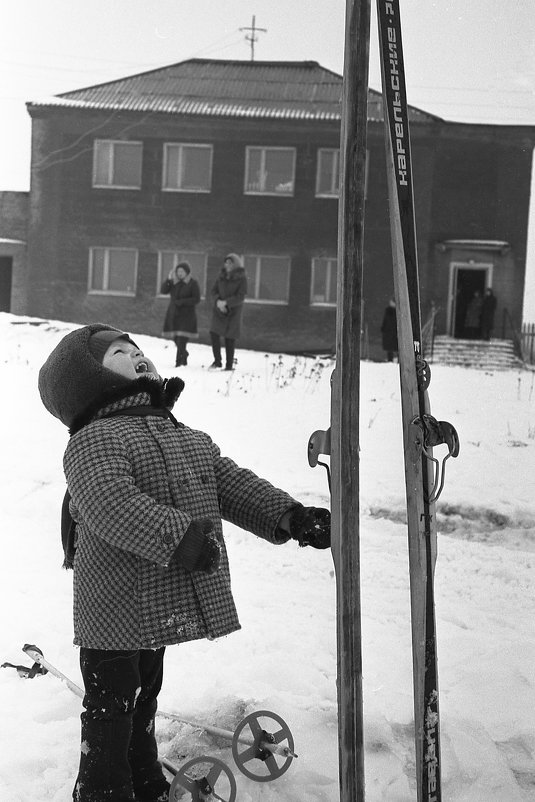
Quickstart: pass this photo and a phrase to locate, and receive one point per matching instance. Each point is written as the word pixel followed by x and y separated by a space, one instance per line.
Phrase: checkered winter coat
pixel 136 483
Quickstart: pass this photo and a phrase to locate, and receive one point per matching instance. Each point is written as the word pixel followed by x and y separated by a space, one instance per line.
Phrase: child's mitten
pixel 210 556
pixel 199 549
pixel 311 526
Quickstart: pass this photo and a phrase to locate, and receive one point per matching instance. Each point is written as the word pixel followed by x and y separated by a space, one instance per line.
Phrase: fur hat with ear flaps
pixel 74 385
pixel 236 260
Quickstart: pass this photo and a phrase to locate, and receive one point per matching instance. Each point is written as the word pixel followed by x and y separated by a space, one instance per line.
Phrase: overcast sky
pixel 466 60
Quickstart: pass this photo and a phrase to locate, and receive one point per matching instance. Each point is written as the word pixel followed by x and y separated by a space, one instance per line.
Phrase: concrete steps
pixel 491 354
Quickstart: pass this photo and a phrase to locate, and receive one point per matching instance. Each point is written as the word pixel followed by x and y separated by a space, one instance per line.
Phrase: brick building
pixel 13 233
pixel 205 157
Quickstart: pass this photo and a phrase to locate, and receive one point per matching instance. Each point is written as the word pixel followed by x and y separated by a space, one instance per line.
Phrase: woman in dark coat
pixel 389 331
pixel 180 322
pixel 228 294
pixel 472 320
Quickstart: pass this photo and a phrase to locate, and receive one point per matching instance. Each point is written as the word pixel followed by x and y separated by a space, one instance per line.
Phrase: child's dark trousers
pixel 119 756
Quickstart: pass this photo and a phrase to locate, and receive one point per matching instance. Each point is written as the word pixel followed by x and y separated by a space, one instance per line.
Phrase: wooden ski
pixel 341 442
pixel 423 475
pixel 346 397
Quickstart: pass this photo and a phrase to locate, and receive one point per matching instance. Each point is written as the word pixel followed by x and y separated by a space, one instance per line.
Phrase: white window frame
pixel 106 277
pixel 263 149
pixel 113 142
pixel 336 193
pixel 333 193
pixel 254 281
pixel 332 267
pixel 180 256
pixel 181 146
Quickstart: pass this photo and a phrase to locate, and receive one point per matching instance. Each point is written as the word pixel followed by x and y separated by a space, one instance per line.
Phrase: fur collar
pixel 237 272
pixel 163 394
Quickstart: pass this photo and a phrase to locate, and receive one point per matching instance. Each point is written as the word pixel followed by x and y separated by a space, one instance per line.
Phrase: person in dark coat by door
pixel 228 295
pixel 488 309
pixel 472 320
pixel 180 322
pixel 389 331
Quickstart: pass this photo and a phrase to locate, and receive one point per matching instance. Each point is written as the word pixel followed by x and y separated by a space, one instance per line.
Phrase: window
pixel 269 171
pixel 328 173
pixel 323 284
pixel 268 278
pixel 117 165
pixel 187 168
pixel 112 271
pixel 167 260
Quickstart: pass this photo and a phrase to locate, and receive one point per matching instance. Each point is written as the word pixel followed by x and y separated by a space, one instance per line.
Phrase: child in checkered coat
pixel 147 495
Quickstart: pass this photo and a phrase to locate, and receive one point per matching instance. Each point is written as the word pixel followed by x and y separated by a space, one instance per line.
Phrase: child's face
pixel 127 360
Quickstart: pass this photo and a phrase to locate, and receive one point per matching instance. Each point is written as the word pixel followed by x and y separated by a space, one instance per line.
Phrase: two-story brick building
pixel 204 157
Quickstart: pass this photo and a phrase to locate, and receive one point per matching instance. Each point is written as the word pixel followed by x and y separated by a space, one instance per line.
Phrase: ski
pixel 341 441
pixel 424 475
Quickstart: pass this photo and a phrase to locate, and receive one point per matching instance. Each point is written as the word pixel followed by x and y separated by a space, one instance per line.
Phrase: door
pixel 466 280
pixel 6 272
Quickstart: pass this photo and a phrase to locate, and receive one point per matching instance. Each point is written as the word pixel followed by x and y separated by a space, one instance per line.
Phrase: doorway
pixel 466 279
pixel 6 274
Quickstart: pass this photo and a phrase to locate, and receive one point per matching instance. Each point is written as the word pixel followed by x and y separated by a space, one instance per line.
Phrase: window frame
pixel 255 282
pixel 336 195
pixel 332 193
pixel 124 142
pixel 180 256
pixel 106 291
pixel 198 145
pixel 330 260
pixel 263 149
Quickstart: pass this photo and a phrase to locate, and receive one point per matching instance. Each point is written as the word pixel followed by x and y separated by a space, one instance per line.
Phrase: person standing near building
pixel 389 331
pixel 488 309
pixel 180 322
pixel 472 320
pixel 227 296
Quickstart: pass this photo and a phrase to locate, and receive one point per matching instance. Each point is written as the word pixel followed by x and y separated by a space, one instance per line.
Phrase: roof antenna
pixel 252 38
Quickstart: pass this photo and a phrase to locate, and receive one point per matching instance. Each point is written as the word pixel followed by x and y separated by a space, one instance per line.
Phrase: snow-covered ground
pixel 284 658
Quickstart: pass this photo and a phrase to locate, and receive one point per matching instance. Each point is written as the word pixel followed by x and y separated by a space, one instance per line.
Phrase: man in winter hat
pixel 147 497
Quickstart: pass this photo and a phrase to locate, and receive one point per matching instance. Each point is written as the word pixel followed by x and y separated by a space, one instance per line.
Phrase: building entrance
pixel 467 284
pixel 6 273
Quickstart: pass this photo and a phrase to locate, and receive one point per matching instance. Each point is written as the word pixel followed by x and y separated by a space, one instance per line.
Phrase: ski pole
pixel 283 751
pixel 35 654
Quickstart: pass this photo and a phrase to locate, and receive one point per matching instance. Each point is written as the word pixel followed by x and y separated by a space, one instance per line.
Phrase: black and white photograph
pixel 267 307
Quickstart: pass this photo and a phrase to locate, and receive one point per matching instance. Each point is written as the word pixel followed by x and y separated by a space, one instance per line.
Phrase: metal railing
pixel 428 332
pixel 527 338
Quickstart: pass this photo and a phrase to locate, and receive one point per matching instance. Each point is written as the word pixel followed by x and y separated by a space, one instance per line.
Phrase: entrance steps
pixel 491 354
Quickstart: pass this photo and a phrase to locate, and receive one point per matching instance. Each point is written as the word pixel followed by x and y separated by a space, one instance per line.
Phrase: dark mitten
pixel 311 526
pixel 210 556
pixel 199 549
pixel 171 390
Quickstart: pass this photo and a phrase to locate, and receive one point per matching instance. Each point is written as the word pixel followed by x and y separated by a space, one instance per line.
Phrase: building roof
pixel 291 90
